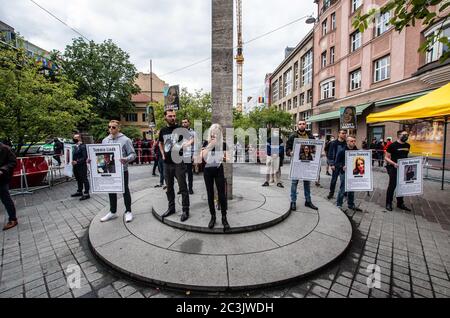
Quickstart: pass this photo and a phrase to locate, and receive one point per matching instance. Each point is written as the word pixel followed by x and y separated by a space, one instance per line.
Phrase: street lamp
pixel 310 20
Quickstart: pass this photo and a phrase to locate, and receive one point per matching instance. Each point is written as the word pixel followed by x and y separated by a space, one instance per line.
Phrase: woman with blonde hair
pixel 214 153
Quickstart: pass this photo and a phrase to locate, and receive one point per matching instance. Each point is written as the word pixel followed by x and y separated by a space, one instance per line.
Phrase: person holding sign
pixel 340 168
pixel 301 133
pixel 397 150
pixel 128 155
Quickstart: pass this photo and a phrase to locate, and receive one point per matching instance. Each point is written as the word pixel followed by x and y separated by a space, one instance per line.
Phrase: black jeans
pixel 216 174
pixel 7 201
pixel 80 173
pixel 172 171
pixel 190 175
pixel 334 178
pixel 126 196
pixel 57 157
pixel 392 172
pixel 155 165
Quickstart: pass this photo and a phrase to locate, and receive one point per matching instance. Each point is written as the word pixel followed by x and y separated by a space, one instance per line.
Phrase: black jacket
pixel 340 158
pixel 335 147
pixel 80 154
pixel 7 163
pixel 290 142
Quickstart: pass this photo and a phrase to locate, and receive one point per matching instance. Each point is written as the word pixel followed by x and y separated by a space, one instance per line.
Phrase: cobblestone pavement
pixel 411 249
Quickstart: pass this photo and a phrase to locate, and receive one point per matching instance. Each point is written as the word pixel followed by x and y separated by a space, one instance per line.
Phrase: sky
pixel 173 33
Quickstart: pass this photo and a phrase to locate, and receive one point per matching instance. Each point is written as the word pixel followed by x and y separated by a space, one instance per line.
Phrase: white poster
pixel 358 172
pixel 68 155
pixel 105 168
pixel 305 164
pixel 409 177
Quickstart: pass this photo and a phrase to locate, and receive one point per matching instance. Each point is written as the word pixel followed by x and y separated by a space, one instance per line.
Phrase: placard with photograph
pixel 105 168
pixel 409 177
pixel 306 156
pixel 358 172
pixel 68 153
pixel 348 117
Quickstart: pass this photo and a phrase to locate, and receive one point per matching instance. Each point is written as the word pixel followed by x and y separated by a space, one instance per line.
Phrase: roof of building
pixel 300 45
pixel 141 98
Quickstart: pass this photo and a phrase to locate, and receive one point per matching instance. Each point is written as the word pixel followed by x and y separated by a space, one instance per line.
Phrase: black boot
pixel 389 206
pixel 212 222
pixel 168 212
pixel 403 207
pixel 293 206
pixel 311 206
pixel 225 224
pixel 184 216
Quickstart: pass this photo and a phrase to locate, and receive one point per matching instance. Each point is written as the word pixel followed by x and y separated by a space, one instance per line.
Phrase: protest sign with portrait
pixel 105 168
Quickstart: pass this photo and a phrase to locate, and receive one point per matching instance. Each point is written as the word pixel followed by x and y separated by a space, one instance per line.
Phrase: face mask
pixel 404 138
pixel 75 140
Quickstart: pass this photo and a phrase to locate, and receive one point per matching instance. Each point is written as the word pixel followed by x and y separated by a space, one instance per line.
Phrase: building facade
pixel 291 83
pixel 154 90
pixel 373 71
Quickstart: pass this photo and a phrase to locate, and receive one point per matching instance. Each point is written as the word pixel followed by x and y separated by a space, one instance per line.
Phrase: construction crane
pixel 239 56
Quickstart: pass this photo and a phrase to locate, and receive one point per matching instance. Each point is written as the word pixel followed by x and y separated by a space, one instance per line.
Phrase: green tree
pixel 102 71
pixel 33 107
pixel 131 132
pixel 406 13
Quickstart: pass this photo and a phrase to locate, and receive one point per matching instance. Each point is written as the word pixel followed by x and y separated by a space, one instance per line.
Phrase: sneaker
pixel 265 184
pixel 280 185
pixel 77 194
pixel 330 196
pixel 108 217
pixel 128 216
pixel 158 186
pixel 10 225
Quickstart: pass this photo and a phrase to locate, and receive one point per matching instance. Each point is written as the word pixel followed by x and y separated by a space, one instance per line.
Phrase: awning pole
pixel 444 152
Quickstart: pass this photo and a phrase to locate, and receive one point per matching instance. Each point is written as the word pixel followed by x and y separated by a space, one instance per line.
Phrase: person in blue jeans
pixel 340 170
pixel 300 133
pixel 335 146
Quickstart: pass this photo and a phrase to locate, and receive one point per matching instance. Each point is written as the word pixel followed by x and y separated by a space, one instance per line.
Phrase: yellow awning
pixel 433 105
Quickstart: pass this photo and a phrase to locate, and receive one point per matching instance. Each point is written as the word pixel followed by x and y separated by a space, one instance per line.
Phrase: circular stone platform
pixel 253 208
pixel 152 251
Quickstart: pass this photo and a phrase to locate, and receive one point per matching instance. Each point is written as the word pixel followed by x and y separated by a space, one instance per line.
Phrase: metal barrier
pixel 36 172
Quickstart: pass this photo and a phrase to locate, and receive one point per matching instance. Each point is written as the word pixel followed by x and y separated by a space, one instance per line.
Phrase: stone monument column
pixel 222 72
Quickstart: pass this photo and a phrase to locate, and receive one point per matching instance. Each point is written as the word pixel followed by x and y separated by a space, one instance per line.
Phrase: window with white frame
pixel 332 55
pixel 333 21
pixel 436 49
pixel 288 82
pixel 275 91
pixel 382 23
pixel 355 80
pixel 382 69
pixel 280 87
pixel 294 102
pixel 355 39
pixel 356 4
pixel 307 68
pixel 324 27
pixel 323 59
pixel 327 89
pixel 326 4
pixel 296 76
pixel 309 96
pixel 302 99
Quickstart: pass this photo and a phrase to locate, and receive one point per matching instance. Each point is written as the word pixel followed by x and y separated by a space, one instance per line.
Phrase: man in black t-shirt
pixel 169 145
pixel 396 150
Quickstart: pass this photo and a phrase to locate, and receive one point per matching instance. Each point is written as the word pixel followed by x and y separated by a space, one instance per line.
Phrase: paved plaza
pixel 411 249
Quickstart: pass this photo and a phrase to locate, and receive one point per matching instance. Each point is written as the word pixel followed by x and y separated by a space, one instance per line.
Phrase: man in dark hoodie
pixel 300 133
pixel 340 168
pixel 7 164
pixel 80 170
pixel 335 146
